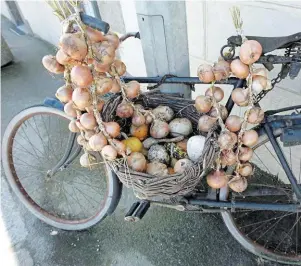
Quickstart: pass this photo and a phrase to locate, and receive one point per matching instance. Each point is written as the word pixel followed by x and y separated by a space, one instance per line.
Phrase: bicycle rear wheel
pixel 74 198
pixel 273 235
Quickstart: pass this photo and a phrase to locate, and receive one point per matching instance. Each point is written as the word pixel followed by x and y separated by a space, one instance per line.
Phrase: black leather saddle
pixel 268 44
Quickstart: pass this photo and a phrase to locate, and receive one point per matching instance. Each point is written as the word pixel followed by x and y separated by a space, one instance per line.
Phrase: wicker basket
pixel 148 186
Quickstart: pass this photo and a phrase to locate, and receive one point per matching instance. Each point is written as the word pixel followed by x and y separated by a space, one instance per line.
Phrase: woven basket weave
pixel 148 186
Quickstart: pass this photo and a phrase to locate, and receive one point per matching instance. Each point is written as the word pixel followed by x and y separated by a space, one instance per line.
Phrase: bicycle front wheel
pixel 74 198
pixel 273 235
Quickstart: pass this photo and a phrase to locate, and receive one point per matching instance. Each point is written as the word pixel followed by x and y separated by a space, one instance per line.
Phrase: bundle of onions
pixel 81 76
pixel 74 45
pixel 218 93
pixel 205 73
pixel 50 63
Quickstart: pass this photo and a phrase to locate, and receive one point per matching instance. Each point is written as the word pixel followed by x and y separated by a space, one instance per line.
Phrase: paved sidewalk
pixel 163 238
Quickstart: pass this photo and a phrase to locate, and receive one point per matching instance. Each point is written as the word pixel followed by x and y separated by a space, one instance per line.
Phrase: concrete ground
pixel 164 237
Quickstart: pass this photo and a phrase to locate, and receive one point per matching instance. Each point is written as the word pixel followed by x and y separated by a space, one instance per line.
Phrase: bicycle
pixel 44 172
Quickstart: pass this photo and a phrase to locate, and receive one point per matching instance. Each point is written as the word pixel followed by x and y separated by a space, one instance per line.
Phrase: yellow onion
pixel 132 89
pixel 227 140
pixel 88 121
pixel 109 153
pixel 205 73
pixel 101 67
pixel 222 111
pixel 238 184
pixel 203 103
pixel 112 128
pixel 69 109
pixel 74 45
pixel 117 68
pixel 217 179
pixel 63 58
pixel 239 69
pixel 137 162
pixel 245 154
pixel 97 142
pixel 87 160
pixel 138 119
pixel 159 129
pixel 103 53
pixel 73 127
pixel 113 39
pixel 256 115
pixel 115 86
pixel 218 93
pixel 233 123
pixel 81 76
pixel 240 96
pixel 250 51
pixel 140 132
pixel 228 158
pixel 50 63
pixel 103 86
pixel 250 138
pixel 259 83
pixel 221 70
pixel 124 110
pixel 81 97
pixel 245 169
pixel 133 144
pixel 94 35
pixel 206 122
pixel 64 93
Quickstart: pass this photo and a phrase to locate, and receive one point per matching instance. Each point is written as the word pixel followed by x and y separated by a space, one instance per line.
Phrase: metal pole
pixel 163 31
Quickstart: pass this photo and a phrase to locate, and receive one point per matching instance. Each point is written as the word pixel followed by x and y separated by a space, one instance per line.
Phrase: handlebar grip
pixel 95 23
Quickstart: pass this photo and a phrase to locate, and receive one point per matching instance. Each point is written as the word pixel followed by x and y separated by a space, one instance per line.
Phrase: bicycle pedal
pixel 137 211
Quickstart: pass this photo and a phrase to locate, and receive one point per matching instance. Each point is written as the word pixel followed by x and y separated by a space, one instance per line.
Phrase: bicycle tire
pixel 248 243
pixel 114 187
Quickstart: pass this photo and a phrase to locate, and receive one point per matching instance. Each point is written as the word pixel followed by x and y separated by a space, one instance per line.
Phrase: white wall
pixel 5 11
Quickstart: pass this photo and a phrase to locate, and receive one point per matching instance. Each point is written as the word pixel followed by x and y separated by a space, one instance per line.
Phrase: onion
pixel 74 45
pixel 119 146
pixel 86 160
pixel 205 73
pixel 137 161
pixel 245 154
pixel 228 158
pixel 227 140
pixel 79 125
pixel 163 112
pixel 87 146
pixel 195 147
pixel 89 134
pixel 63 58
pixel 94 35
pixel 81 76
pixel 109 153
pixel 180 127
pixel 148 119
pixel 239 69
pixel 250 138
pixel 171 171
pixel 158 153
pixel 140 132
pixel 240 96
pixel 256 115
pixel 81 97
pixel 73 127
pixel 101 67
pixel 97 142
pixel 262 71
pixel 221 70
pixel 159 129
pixel 103 53
pixel 181 165
pixel 233 123
pixel 138 119
pixel 182 144
pixel 117 68
pixel 99 106
pixel 203 103
pixel 238 184
pixel 250 51
pixel 115 86
pixel 69 109
pixel 64 93
pixel 113 39
pixel 112 128
pixel 133 144
pixel 206 122
pixel 245 169
pixel 124 110
pixel 156 169
pixel 222 111
pixel 259 83
pixel 218 93
pixel 132 89
pixel 50 63
pixel 217 179
pixel 103 86
pixel 81 140
pixel 88 121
